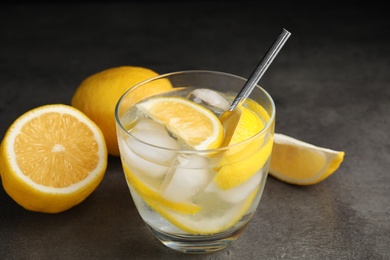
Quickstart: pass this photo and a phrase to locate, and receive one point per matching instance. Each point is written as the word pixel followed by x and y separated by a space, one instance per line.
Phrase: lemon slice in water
pixel 195 125
pixel 243 161
pixel 154 199
pixel 203 223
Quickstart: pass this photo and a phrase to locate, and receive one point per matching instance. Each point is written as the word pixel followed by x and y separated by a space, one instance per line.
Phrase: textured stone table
pixel 330 84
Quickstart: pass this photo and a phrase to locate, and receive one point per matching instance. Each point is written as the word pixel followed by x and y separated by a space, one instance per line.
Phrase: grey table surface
pixel 330 84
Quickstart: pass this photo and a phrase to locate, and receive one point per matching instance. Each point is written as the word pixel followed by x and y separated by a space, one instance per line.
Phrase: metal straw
pixel 260 69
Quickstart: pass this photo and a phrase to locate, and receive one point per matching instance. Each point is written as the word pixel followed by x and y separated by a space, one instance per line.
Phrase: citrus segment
pixel 301 163
pixel 153 198
pixel 98 94
pixel 52 158
pixel 190 122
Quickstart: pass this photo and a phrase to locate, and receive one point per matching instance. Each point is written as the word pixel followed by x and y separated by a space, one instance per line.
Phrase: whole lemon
pixel 98 94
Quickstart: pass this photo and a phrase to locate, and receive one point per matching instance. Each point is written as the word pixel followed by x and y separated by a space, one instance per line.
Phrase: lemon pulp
pixel 191 122
pixel 52 158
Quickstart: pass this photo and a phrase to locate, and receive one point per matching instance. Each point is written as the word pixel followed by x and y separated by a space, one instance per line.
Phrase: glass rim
pixel 190 151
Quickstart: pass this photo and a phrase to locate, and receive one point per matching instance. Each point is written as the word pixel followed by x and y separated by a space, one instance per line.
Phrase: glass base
pixel 198 244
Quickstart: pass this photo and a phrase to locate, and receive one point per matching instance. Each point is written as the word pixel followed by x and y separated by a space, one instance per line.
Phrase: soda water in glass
pixel 194 201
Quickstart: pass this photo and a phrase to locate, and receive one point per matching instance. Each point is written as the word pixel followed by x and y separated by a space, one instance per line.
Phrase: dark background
pixel 330 84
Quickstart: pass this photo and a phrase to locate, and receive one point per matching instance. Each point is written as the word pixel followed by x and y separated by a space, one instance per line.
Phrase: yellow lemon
pixel 195 125
pixel 52 158
pixel 245 159
pixel 98 94
pixel 297 162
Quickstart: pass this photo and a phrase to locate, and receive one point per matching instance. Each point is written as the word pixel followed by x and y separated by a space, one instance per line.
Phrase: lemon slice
pixel 195 125
pixel 238 172
pixel 52 158
pixel 243 161
pixel 297 162
pixel 205 224
pixel 153 198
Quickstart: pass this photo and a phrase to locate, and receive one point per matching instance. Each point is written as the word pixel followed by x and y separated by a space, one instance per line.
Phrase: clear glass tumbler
pixel 195 201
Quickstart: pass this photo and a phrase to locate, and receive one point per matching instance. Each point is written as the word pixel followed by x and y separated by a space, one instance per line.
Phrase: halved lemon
pixel 52 158
pixel 297 162
pixel 195 125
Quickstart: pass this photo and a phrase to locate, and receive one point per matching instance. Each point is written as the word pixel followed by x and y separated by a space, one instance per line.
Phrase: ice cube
pixel 148 159
pixel 138 164
pixel 238 193
pixel 151 152
pixel 191 176
pixel 150 125
pixel 209 97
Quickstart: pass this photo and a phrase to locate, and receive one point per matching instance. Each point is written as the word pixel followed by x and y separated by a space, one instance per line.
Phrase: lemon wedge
pixel 195 125
pixel 297 162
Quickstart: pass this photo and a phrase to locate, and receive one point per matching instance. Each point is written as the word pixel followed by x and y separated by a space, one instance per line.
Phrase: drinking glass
pixel 195 201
